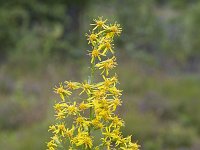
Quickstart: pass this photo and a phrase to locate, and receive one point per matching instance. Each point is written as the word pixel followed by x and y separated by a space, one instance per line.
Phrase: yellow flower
pixel 124 142
pixel 63 92
pixel 108 81
pixel 82 122
pixel 112 135
pixel 115 102
pixel 104 103
pixel 72 109
pixel 116 134
pixel 83 106
pixel 107 133
pixel 133 146
pixel 51 145
pixel 69 132
pixel 117 122
pixel 96 123
pixel 92 38
pixel 99 23
pixel 115 91
pixel 106 45
pixel 60 106
pixel 114 79
pixel 105 114
pixel 72 85
pixel 61 114
pixel 87 141
pixel 86 88
pixel 107 143
pixel 56 139
pixel 83 139
pixel 52 128
pixel 95 53
pixel 97 94
pixel 61 129
pixel 96 104
pixel 114 29
pixel 107 65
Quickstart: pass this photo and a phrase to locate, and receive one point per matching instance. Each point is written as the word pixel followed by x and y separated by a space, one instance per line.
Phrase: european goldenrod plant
pixel 92 110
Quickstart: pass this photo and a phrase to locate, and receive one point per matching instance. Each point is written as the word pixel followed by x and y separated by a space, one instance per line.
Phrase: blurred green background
pixel 43 43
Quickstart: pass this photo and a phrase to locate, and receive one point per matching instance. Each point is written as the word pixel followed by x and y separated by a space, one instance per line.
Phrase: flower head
pixel 114 29
pixel 99 23
pixel 107 65
pixel 95 53
pixel 92 38
pixel 63 92
pixel 72 85
pixel 72 109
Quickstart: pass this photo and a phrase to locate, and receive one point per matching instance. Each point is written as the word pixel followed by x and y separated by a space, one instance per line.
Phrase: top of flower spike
pixel 100 23
pixel 101 38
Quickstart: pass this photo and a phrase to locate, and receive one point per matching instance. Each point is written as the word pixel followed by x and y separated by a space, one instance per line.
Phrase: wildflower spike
pixel 99 102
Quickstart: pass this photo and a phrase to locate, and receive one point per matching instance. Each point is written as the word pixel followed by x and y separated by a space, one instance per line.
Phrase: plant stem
pixel 91 81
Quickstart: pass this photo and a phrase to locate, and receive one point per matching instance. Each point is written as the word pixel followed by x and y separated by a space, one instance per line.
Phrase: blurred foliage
pixel 157 28
pixel 42 44
pixel 166 30
pixel 39 30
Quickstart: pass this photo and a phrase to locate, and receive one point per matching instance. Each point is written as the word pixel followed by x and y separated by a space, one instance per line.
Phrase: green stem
pixel 91 82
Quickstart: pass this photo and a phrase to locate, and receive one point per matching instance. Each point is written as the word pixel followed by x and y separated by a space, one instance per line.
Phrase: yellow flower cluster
pixel 96 110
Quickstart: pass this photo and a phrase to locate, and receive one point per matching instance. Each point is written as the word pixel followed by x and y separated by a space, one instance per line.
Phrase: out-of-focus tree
pixel 165 30
pixel 51 26
pixel 142 32
pixel 191 36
